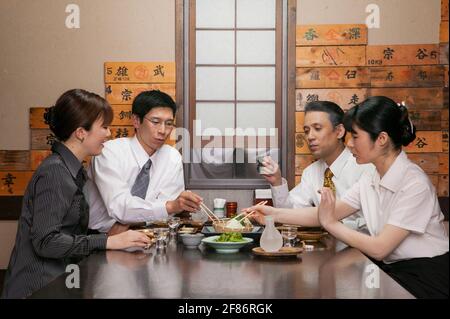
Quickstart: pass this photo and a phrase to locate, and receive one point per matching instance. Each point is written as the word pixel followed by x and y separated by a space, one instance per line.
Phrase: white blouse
pixel 405 198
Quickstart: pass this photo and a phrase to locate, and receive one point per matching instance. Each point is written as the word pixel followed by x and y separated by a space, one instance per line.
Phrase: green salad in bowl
pixel 227 243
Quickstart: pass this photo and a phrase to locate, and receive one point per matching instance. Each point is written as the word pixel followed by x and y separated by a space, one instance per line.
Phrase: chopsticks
pixel 253 211
pixel 208 212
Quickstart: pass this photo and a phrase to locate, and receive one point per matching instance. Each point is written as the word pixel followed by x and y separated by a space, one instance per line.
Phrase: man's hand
pixel 271 171
pixel 118 228
pixel 186 201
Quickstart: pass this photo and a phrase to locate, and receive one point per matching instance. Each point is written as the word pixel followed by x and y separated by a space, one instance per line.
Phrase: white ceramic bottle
pixel 271 239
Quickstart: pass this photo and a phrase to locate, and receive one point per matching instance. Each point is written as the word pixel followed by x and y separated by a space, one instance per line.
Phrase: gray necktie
pixel 140 185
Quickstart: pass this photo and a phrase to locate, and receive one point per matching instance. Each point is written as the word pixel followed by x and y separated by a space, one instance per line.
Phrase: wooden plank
pixel 323 56
pixel 445 141
pixel 42 139
pixel 443 164
pixel 38 117
pixel 319 78
pixel 345 98
pixel 426 142
pixel 444 119
pixel 301 145
pixel 443 53
pixel 14 183
pixel 407 76
pixel 415 98
pixel 428 162
pixel 121 131
pixel 444 10
pixel 299 121
pixel 125 93
pixel 426 120
pixel 446 72
pixel 442 189
pixel 122 115
pixel 417 54
pixel 14 161
pixel 139 72
pixel 435 181
pixel 11 207
pixel 331 34
pixel 443 33
pixel 37 156
pixel 301 162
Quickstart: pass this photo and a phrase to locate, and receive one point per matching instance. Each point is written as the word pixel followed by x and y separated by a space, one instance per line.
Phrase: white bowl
pixel 226 247
pixel 191 241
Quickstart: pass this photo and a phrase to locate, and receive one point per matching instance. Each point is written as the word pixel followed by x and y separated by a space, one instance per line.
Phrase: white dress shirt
pixel 113 173
pixel 406 198
pixel 346 172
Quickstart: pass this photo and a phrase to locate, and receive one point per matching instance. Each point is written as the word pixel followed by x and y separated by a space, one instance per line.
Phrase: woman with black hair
pixel 399 203
pixel 52 230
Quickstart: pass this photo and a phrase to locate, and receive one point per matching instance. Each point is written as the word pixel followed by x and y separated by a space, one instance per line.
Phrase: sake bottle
pixel 271 240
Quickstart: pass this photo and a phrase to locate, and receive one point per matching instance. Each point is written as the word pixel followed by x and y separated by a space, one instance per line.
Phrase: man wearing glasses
pixel 139 179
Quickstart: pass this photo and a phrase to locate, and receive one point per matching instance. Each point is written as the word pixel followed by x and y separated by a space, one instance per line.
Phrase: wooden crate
pixel 14 183
pixel 14 160
pixel 342 77
pixel 301 145
pixel 325 56
pixel 301 162
pixel 428 162
pixel 415 98
pixel 426 142
pixel 420 54
pixel 407 76
pixel 345 98
pixel 140 72
pixel 125 93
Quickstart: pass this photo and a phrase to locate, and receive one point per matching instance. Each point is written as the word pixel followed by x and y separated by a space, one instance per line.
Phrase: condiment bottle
pixel 231 209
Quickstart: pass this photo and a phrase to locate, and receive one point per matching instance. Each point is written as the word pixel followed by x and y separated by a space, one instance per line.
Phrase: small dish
pixel 226 247
pixel 283 252
pixel 192 241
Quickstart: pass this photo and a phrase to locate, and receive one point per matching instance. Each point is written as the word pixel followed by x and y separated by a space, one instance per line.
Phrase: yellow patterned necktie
pixel 327 181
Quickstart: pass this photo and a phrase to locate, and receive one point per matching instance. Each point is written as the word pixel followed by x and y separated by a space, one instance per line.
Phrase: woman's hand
pixel 260 211
pixel 130 238
pixel 326 207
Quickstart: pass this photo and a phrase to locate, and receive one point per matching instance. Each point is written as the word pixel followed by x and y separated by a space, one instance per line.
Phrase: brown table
pixel 330 271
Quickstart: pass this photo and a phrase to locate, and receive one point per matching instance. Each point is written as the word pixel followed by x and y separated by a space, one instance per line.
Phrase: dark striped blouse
pixel 52 230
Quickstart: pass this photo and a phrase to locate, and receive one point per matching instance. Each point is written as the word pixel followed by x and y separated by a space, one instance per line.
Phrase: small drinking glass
pixel 289 233
pixel 161 235
pixel 173 224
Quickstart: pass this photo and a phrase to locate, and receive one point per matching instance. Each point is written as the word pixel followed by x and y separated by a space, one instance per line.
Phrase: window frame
pixel 185 47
